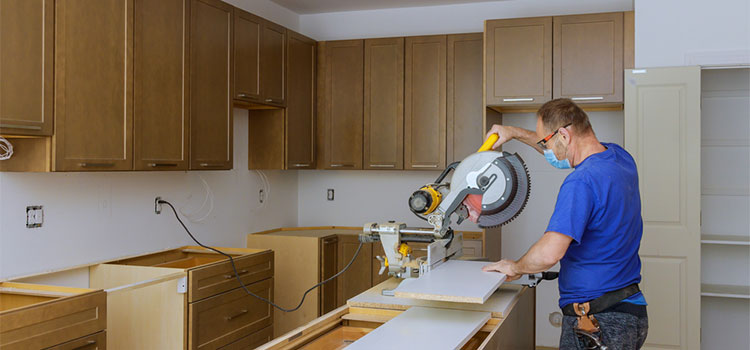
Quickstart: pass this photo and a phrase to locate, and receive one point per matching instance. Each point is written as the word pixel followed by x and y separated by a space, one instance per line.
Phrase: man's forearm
pixel 526 136
pixel 544 254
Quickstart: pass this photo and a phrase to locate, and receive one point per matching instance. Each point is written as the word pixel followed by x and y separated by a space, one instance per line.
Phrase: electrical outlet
pixel 157 205
pixel 330 194
pixel 261 196
pixel 34 216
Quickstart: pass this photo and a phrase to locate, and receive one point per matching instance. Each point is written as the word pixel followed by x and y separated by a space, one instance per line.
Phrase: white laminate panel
pixel 453 280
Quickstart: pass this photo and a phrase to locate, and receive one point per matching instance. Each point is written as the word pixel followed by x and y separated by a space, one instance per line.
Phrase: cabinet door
pixel 357 278
pixel 272 60
pixel 300 102
pixel 424 114
pixel 93 85
pixel 464 89
pixel 247 29
pixel 328 268
pixel 519 61
pixel 160 120
pixel 384 104
pixel 340 105
pixel 587 59
pixel 210 85
pixel 26 49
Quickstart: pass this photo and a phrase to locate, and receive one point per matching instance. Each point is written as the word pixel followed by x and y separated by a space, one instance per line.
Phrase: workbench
pixel 511 324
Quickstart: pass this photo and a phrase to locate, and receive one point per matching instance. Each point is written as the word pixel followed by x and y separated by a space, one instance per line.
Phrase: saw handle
pixel 488 143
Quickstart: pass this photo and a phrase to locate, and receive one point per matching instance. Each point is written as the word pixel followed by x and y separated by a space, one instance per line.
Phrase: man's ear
pixel 564 135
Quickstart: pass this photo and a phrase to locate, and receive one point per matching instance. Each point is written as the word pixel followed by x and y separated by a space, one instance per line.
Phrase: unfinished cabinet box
pixel 340 103
pixel 93 85
pixel 160 116
pixel 588 57
pixel 424 103
pixel 299 127
pixel 211 84
pixel 26 53
pixel 464 96
pixel 518 61
pixel 384 104
pixel 188 298
pixel 36 316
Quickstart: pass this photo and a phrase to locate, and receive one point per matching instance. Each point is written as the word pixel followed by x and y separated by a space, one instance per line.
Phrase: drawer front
pixel 207 281
pixel 53 323
pixel 96 341
pixel 252 341
pixel 225 318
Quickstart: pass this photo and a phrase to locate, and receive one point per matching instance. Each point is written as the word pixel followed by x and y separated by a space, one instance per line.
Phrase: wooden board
pixel 499 304
pixel 454 280
pixel 424 328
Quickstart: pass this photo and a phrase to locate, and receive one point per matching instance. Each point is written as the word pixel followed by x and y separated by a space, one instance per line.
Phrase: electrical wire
pixel 237 276
pixel 7 149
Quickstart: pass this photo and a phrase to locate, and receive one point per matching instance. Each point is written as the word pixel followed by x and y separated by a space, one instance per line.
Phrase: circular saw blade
pixel 521 196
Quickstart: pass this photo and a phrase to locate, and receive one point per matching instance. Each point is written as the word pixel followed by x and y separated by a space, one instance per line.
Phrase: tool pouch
pixel 586 321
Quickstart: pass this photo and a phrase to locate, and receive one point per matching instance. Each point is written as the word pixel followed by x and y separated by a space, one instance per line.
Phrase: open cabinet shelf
pixel 725 239
pixel 725 291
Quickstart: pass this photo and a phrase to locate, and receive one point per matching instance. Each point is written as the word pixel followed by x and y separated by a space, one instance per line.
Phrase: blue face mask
pixel 560 164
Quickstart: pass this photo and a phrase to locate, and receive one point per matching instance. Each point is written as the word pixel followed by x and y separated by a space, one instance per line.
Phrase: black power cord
pixel 237 276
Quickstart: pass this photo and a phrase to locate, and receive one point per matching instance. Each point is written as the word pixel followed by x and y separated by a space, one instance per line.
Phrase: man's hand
pixel 508 267
pixel 504 133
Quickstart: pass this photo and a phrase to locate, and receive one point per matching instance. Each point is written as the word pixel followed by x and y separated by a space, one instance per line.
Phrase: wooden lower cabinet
pixel 252 341
pixel 97 341
pixel 187 298
pixel 39 317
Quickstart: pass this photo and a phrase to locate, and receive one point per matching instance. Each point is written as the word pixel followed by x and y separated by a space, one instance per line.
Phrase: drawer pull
pixel 382 166
pixel 88 342
pixel 18 126
pixel 520 99
pixel 242 312
pixel 342 165
pixel 299 165
pixel 269 100
pixel 155 165
pixel 424 166
pixel 593 98
pixel 95 165
pixel 239 273
pixel 210 165
pixel 242 95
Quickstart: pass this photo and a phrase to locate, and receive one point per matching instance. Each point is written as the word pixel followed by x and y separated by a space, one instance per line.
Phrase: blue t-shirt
pixel 599 206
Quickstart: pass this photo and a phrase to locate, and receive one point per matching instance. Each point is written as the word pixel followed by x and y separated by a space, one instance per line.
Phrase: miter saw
pixel 490 187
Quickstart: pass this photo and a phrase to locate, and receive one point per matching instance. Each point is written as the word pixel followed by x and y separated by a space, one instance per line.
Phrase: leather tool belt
pixel 585 311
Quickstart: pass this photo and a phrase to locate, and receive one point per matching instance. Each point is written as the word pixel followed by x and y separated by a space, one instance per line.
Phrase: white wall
pixel 270 11
pixel 90 217
pixel 690 32
pixel 462 18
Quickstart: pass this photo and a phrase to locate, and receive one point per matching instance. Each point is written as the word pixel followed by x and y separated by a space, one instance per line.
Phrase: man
pixel 595 231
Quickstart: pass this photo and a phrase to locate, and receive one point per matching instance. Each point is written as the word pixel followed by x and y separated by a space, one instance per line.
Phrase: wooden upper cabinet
pixel 211 85
pixel 464 96
pixel 161 122
pixel 300 102
pixel 93 85
pixel 588 56
pixel 384 104
pixel 247 38
pixel 424 113
pixel 272 61
pixel 519 61
pixel 340 103
pixel 26 56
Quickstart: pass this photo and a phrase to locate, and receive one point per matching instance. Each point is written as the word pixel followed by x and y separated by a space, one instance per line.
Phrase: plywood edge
pixel 438 297
pixel 308 330
pixel 41 289
pixel 228 250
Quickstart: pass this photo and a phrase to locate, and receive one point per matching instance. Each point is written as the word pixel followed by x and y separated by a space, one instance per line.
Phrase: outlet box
pixel 330 194
pixel 34 216
pixel 261 196
pixel 157 205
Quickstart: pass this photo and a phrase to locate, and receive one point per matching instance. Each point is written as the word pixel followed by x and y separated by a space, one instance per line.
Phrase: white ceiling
pixel 323 6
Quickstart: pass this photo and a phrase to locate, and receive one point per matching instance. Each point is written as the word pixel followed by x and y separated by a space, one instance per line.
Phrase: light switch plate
pixel 34 216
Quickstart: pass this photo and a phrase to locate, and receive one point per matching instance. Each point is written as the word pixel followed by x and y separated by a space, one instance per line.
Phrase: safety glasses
pixel 543 142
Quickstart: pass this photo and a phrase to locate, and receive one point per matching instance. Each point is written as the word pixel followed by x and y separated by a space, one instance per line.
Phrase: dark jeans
pixel 619 331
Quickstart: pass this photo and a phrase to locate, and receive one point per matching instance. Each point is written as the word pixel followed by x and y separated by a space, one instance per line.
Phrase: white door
pixel 662 132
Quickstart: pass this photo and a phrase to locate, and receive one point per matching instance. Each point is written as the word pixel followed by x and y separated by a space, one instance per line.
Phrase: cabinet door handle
pixel 424 166
pixel 209 165
pixel 96 165
pixel 242 312
pixel 520 99
pixel 382 166
pixel 239 273
pixel 299 165
pixel 269 100
pixel 592 98
pixel 18 126
pixel 242 95
pixel 154 165
pixel 342 165
pixel 88 342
